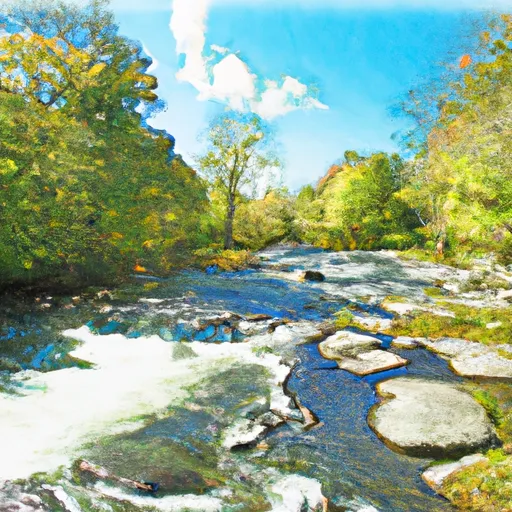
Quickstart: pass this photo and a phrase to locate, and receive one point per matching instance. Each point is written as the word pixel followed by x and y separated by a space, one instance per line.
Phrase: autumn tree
pixel 239 153
pixel 460 182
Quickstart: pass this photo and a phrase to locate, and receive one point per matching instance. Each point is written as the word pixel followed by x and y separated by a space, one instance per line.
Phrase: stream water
pixel 120 401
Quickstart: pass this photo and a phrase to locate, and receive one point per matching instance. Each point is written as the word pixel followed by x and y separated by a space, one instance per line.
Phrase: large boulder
pixel 424 418
pixel 347 344
pixel 313 275
pixel 371 362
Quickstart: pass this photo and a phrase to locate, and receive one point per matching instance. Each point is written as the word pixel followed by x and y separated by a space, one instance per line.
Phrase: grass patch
pixel 491 405
pixel 344 318
pixel 483 487
pixel 394 299
pixel 460 260
pixel 469 323
pixel 434 292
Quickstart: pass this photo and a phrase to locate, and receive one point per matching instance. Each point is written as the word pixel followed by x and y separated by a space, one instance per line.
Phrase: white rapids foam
pixel 61 410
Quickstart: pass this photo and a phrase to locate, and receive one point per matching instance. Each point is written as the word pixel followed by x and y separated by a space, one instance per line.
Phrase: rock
pixel 374 323
pixel 243 433
pixel 312 275
pixel 375 361
pixel 14 499
pixel 489 365
pixel 424 418
pixel 257 318
pixel 493 325
pixel 505 295
pixel 347 344
pixel 471 359
pixel 454 347
pixel 436 475
pixel 270 419
pixel 407 342
pixel 400 308
pixel 405 308
pixel 69 503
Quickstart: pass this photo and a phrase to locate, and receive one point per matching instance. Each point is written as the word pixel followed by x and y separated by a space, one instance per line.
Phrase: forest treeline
pixel 90 191
pixel 456 188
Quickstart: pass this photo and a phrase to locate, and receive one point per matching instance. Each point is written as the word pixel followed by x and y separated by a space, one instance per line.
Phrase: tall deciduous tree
pixel 240 150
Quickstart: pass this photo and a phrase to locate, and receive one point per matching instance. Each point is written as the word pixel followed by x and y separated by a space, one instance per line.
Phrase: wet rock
pixel 423 418
pixel 68 503
pixel 14 499
pixel 436 475
pixel 347 344
pixel 271 420
pixel 243 433
pixel 294 493
pixel 371 362
pixel 312 275
pixel 257 318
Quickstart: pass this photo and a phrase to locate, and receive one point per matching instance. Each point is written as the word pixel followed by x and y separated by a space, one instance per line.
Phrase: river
pixel 141 384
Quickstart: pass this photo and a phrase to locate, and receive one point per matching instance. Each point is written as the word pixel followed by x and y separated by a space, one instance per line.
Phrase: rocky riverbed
pixel 229 392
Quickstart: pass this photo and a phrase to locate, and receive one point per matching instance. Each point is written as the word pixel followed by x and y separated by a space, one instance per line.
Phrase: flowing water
pixel 153 396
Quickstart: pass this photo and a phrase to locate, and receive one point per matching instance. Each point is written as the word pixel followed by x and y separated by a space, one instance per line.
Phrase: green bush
pixel 397 242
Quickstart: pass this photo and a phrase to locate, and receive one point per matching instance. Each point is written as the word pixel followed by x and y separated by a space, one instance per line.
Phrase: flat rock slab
pixel 471 359
pixel 490 365
pixel 425 418
pixel 347 344
pixel 435 476
pixel 368 363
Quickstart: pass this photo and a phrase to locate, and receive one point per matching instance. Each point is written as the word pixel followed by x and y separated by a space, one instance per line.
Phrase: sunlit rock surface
pixel 347 344
pixel 430 419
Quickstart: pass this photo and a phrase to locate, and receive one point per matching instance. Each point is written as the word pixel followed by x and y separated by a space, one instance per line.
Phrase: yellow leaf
pixel 96 69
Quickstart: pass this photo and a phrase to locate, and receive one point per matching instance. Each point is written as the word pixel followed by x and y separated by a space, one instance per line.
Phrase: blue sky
pixel 324 72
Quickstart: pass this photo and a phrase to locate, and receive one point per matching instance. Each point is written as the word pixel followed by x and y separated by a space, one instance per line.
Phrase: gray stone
pixel 368 363
pixel 471 359
pixel 425 418
pixel 489 365
pixel 347 344
pixel 436 475
pixel 454 347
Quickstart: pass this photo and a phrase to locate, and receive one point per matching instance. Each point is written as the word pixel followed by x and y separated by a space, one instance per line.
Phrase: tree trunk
pixel 228 229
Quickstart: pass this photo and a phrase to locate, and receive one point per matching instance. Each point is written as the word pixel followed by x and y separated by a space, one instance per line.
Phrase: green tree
pixel 87 188
pixel 239 152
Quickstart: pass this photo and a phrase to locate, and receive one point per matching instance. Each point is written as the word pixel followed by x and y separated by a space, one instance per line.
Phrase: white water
pixel 61 410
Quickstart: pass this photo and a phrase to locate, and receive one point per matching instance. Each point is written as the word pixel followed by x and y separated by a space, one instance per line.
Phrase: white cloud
pixel 219 49
pixel 229 80
pixel 154 64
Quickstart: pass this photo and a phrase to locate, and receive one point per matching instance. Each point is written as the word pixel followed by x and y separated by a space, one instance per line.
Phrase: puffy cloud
pixel 229 79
